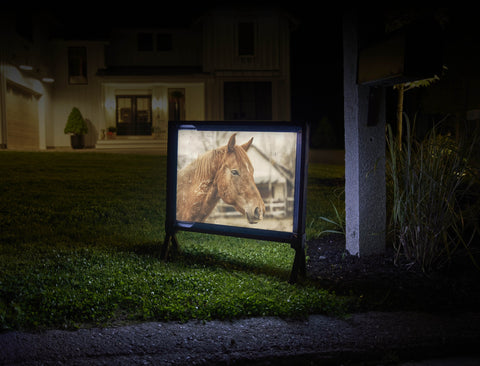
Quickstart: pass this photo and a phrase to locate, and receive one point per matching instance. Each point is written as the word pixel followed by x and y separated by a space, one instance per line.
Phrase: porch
pixel 133 143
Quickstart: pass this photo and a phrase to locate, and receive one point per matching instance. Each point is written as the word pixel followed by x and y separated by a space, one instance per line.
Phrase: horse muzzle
pixel 255 215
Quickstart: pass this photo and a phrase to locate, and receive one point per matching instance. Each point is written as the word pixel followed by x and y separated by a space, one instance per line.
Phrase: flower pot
pixel 77 141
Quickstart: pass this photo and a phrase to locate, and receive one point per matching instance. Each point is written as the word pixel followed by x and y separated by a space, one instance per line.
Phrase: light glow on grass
pixel 80 245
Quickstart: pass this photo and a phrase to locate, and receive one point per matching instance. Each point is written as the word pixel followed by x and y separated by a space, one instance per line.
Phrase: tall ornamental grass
pixel 432 192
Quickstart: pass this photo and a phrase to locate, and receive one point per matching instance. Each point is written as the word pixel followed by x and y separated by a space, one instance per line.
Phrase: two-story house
pixel 229 64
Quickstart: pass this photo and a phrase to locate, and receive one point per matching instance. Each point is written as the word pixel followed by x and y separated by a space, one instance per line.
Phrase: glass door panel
pixel 124 115
pixel 143 121
pixel 134 115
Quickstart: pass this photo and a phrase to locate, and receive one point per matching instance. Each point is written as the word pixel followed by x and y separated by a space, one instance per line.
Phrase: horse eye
pixel 235 172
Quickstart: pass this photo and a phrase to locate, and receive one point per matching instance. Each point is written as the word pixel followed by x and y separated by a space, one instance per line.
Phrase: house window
pixel 164 42
pixel 77 65
pixel 149 42
pixel 145 42
pixel 246 39
pixel 247 100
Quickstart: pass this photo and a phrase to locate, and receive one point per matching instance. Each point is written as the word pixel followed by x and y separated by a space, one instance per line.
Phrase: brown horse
pixel 225 173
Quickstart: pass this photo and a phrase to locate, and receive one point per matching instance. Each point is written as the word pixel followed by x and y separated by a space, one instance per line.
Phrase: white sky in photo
pixel 276 145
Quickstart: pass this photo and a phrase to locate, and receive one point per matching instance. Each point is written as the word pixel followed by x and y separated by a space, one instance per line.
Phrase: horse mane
pixel 206 165
pixel 202 167
pixel 245 157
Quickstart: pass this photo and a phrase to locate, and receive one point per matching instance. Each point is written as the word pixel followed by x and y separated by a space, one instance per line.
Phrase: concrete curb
pixel 367 338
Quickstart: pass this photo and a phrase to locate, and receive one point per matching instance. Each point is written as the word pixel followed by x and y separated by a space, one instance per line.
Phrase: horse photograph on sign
pixel 236 178
pixel 243 178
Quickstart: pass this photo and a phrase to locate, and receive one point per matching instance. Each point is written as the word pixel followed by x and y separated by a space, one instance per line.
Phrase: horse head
pixel 235 182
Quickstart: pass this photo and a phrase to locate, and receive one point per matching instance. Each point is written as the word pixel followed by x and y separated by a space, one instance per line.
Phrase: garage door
pixel 22 118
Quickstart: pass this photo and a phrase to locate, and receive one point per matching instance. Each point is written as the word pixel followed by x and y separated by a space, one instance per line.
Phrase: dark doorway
pixel 247 100
pixel 134 115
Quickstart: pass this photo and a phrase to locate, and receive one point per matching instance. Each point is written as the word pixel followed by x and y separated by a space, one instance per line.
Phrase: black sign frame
pixel 295 236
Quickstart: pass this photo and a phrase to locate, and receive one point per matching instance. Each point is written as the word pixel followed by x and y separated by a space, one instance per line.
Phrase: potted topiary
pixel 112 132
pixel 77 127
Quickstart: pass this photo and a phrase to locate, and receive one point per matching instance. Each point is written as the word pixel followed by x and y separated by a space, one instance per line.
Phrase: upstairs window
pixel 149 42
pixel 246 39
pixel 77 65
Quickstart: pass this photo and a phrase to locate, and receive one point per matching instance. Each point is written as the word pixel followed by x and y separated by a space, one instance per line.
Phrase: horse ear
pixel 231 143
pixel 246 145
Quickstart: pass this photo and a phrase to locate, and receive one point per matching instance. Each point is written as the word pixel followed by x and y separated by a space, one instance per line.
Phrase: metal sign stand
pixel 297 240
pixel 169 238
pixel 299 262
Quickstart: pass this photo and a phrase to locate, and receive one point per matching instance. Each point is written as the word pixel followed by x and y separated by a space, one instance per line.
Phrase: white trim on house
pixel 200 61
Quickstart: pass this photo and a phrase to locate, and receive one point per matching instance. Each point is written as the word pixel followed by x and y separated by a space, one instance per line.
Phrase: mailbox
pixel 412 53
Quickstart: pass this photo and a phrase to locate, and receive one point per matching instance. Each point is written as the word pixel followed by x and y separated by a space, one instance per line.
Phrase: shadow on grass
pixel 327 182
pixel 213 260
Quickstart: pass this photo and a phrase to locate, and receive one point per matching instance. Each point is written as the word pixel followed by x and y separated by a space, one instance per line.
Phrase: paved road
pixel 403 339
pixel 448 361
pixel 363 339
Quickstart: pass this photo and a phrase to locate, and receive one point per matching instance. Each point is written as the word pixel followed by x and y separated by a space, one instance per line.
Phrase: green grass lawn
pixel 80 236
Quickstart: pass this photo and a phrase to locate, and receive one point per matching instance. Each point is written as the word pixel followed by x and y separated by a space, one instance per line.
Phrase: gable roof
pixel 266 170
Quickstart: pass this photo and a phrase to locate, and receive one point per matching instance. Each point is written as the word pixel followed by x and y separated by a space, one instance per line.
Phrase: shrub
pixel 427 182
pixel 323 135
pixel 76 125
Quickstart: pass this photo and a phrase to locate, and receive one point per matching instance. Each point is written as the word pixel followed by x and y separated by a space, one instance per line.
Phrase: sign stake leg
pixel 166 245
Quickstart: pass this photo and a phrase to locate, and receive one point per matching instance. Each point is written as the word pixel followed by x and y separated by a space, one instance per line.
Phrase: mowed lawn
pixel 80 237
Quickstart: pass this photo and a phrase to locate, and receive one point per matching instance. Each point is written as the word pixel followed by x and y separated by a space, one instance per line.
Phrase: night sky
pixel 317 68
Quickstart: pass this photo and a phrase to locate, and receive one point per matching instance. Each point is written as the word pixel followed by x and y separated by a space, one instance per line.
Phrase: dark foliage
pixel 381 285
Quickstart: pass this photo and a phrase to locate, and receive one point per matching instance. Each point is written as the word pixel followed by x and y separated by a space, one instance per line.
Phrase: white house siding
pixel 86 97
pixel 194 100
pixel 202 59
pixel 130 71
pixel 22 118
pixel 187 48
pixel 25 100
pixel 220 40
pixel 269 63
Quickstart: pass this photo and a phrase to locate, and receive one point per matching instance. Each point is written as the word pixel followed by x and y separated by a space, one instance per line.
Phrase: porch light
pixel 25 67
pixel 109 103
pixel 158 103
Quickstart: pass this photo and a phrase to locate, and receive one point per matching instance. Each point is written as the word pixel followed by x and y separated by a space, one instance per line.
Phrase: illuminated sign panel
pixel 242 179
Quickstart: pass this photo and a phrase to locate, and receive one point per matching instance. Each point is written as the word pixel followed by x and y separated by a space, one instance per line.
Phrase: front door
pixel 134 115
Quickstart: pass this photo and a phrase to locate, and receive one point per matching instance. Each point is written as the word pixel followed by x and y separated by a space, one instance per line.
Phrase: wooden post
pixel 365 196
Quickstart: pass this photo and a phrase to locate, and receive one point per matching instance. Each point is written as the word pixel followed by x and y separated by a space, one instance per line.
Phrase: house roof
pixel 149 70
pixel 265 169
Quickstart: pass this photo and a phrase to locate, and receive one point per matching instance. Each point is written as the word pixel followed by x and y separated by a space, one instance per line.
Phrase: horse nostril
pixel 257 213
